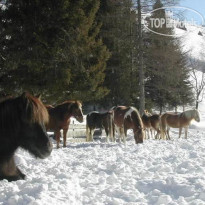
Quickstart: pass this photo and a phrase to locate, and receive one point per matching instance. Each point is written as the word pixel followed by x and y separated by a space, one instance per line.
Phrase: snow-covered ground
pixel 98 173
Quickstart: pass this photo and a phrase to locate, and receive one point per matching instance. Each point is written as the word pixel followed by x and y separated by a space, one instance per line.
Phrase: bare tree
pixel 197 73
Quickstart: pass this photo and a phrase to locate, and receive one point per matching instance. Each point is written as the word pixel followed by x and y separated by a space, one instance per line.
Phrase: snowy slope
pixel 192 42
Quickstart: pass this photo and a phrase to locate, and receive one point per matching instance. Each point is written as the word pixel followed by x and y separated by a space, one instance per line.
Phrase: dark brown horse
pixel 99 120
pixel 22 122
pixel 151 122
pixel 128 118
pixel 60 118
pixel 180 120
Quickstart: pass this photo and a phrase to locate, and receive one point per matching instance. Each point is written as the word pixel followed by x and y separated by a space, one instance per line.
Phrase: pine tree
pixel 53 47
pixel 118 33
pixel 166 71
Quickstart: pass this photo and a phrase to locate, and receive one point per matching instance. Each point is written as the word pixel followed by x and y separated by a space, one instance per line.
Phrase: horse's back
pixel 171 119
pixel 146 120
pixel 98 120
pixel 119 115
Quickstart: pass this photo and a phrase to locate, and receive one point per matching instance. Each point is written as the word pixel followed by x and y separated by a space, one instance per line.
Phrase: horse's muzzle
pixel 47 151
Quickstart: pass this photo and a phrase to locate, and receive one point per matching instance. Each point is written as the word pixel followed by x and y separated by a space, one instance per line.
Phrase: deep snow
pixel 155 172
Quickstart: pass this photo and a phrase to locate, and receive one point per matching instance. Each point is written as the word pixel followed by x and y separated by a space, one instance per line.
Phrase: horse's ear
pixel 23 95
pixel 38 96
pixel 24 98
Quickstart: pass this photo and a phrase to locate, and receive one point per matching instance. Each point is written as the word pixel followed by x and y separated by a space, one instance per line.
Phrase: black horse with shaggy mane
pixel 22 124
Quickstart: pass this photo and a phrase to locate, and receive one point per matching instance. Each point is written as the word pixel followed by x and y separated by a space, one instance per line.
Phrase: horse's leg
pixel 124 135
pixel 58 135
pixel 110 128
pixel 180 131
pixel 168 136
pixel 145 136
pixel 158 133
pixel 20 173
pixel 113 134
pixel 10 172
pixel 107 133
pixel 151 132
pixel 186 132
pixel 65 130
pixel 121 130
pixel 147 133
pixel 162 126
pixel 87 133
pixel 90 134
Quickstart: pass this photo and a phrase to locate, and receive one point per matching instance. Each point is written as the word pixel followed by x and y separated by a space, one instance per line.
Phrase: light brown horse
pixel 151 122
pixel 128 118
pixel 181 120
pixel 59 118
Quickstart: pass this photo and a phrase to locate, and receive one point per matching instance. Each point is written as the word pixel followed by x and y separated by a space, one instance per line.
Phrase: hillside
pixel 192 42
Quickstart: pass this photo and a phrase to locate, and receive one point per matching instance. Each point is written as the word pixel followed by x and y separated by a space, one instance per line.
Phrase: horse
pixel 180 120
pixel 59 118
pixel 99 120
pixel 151 122
pixel 22 124
pixel 128 118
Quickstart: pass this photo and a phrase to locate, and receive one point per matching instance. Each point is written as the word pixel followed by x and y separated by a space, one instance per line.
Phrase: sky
pixel 198 5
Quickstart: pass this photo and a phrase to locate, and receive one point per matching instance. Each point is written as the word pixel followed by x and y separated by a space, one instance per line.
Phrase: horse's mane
pixel 69 102
pixel 138 116
pixel 190 113
pixel 26 107
pixel 37 108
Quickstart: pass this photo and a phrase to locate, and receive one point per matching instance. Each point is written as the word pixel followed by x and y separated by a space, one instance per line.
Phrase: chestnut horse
pixel 181 120
pixel 22 124
pixel 151 122
pixel 60 118
pixel 128 118
pixel 99 120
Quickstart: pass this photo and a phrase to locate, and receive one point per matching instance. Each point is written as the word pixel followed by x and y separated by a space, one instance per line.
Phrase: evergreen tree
pixel 53 47
pixel 166 71
pixel 119 34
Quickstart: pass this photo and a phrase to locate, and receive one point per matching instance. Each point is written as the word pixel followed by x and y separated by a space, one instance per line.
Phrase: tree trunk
pixel 197 104
pixel 141 69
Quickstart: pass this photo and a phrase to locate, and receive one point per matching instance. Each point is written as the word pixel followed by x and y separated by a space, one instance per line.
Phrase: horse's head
pixel 76 109
pixel 139 135
pixel 33 135
pixel 138 127
pixel 196 115
pixel 147 113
